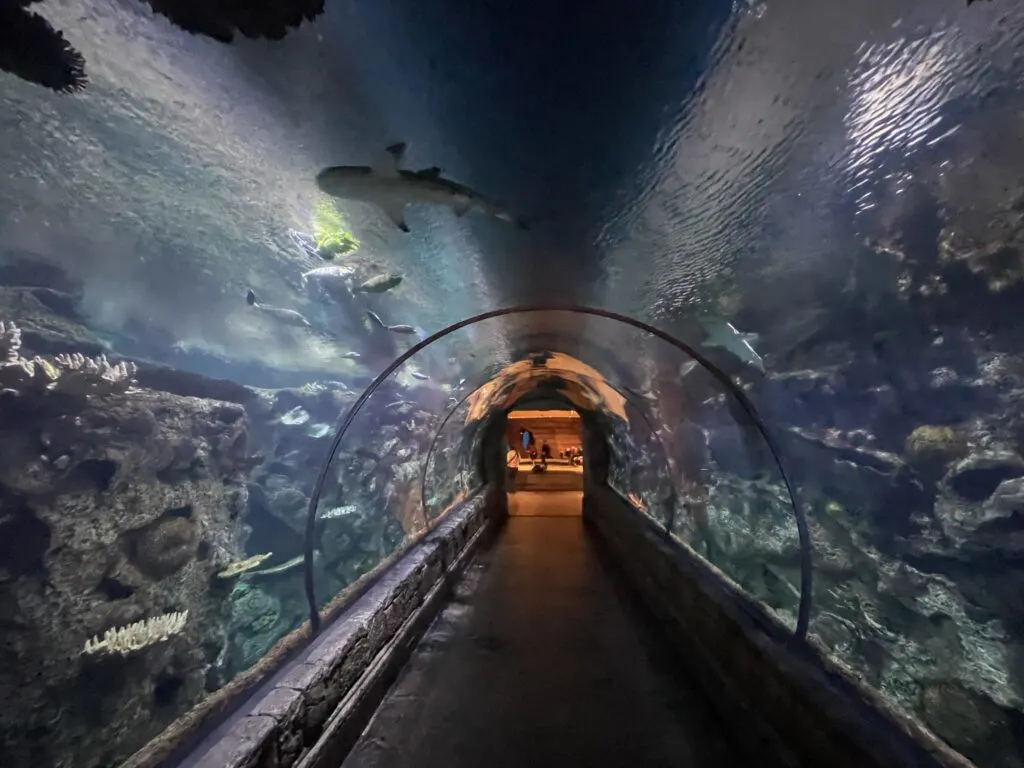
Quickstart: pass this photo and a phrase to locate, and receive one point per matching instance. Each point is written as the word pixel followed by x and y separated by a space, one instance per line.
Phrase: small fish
pixel 401 328
pixel 333 276
pixel 380 283
pixel 418 375
pixel 350 356
pixel 391 188
pixel 282 315
pixel 376 319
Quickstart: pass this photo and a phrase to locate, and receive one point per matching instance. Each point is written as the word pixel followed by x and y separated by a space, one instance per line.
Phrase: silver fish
pixel 391 188
pixel 379 283
pixel 418 375
pixel 350 356
pixel 282 315
pixel 329 276
pixel 402 328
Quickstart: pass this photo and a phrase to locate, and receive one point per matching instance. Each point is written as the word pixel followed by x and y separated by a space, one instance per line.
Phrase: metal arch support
pixel 803 532
pixel 433 443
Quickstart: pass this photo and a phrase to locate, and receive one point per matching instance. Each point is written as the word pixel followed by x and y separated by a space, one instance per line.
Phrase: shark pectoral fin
pixel 460 206
pixel 396 212
pixel 387 163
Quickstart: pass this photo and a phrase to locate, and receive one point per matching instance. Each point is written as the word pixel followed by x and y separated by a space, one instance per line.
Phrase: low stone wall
pixel 311 711
pixel 789 699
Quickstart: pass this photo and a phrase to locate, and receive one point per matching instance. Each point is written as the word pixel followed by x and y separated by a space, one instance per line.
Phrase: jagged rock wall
pixel 126 492
pixel 117 504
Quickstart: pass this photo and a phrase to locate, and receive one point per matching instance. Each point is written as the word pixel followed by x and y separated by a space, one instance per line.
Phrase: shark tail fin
pixel 250 298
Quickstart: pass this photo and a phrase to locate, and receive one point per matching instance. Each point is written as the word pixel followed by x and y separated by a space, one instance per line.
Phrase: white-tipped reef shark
pixel 280 314
pixel 722 334
pixel 391 188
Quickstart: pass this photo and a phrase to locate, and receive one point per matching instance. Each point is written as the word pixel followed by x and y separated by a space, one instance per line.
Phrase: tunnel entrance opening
pixel 547 442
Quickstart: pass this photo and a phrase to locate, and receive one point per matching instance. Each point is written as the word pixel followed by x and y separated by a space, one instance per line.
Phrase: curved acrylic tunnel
pixel 683 482
pixel 624 377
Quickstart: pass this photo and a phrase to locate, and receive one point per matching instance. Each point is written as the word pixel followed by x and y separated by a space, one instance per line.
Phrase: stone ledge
pixel 287 716
pixel 791 698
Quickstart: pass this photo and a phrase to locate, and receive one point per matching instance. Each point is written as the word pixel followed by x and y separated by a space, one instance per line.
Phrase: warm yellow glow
pixel 517 414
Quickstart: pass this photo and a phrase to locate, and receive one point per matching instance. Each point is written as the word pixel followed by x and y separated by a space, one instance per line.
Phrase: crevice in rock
pixel 97 473
pixel 24 541
pixel 166 690
pixel 114 589
pixel 980 483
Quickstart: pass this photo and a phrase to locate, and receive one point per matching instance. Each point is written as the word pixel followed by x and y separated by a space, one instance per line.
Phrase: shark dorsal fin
pixel 429 173
pixel 388 162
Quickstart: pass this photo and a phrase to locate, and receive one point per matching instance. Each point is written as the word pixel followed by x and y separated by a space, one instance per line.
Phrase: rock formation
pixel 900 419
pixel 132 502
pixel 117 505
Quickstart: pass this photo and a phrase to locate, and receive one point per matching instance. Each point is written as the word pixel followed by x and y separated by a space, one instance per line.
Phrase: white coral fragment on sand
pixel 135 637
pixel 10 341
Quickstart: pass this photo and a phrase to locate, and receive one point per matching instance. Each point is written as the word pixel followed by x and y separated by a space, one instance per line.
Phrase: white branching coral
pixel 135 637
pixel 10 341
pixel 88 375
pixel 73 374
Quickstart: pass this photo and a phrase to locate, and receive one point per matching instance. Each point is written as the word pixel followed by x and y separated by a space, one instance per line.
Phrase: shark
pixel 391 188
pixel 724 335
pixel 280 314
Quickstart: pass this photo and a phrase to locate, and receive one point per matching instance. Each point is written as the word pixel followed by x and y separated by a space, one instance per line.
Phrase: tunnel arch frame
pixel 803 531
pixel 625 396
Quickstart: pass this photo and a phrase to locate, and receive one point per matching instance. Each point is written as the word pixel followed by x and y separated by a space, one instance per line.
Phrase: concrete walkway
pixel 542 659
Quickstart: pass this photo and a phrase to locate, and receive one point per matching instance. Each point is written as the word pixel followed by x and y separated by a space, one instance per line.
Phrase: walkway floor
pixel 542 659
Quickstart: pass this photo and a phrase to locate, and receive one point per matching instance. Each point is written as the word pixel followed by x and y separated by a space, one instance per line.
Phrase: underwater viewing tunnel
pixel 402 383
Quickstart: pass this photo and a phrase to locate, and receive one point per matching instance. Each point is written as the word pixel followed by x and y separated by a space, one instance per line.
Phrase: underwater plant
pixel 331 237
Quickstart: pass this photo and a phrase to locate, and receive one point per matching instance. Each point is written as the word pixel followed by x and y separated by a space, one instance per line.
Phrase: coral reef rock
pixel 117 507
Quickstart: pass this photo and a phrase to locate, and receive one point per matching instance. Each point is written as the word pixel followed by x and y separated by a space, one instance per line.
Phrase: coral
pixel 92 375
pixel 141 634
pixel 331 236
pixel 125 508
pixel 166 547
pixel 934 448
pixel 10 341
pixel 242 566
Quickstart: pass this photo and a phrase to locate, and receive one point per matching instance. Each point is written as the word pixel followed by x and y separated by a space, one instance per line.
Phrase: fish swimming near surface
pixel 280 314
pixel 350 356
pixel 418 375
pixel 403 328
pixel 391 188
pixel 380 283
pixel 329 277
pixel 724 335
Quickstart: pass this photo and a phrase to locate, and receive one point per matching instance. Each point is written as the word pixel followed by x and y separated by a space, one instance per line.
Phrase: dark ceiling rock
pixel 220 19
pixel 34 51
